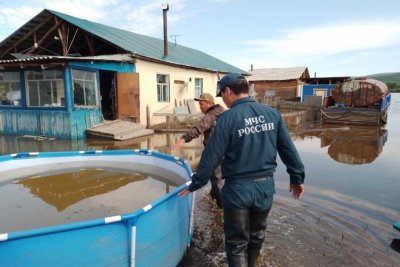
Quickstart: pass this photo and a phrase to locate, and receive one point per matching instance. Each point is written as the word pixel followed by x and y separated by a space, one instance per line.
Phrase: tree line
pixel 393 87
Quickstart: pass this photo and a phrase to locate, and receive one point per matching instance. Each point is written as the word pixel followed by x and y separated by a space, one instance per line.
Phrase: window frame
pixel 53 82
pixel 163 89
pixel 198 88
pixel 12 103
pixel 95 86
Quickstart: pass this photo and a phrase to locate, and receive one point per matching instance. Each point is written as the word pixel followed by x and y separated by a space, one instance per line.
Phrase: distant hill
pixel 392 80
pixel 390 77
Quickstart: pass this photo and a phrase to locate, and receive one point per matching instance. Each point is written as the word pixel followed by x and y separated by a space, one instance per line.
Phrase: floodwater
pixel 345 218
pixel 351 200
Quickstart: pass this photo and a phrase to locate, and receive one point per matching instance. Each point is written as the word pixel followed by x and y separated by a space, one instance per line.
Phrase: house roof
pixel 107 40
pixel 47 58
pixel 278 74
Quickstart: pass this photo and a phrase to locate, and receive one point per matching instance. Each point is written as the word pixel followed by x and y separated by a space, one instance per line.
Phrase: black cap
pixel 228 80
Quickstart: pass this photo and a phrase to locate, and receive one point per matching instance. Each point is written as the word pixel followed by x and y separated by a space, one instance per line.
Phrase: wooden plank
pixel 191 106
pixel 119 130
pixel 127 95
pixel 352 116
pixel 178 115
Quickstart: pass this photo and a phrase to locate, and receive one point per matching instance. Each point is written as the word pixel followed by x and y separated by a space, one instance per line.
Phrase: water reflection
pixel 159 142
pixel 350 145
pixel 65 189
pixel 13 144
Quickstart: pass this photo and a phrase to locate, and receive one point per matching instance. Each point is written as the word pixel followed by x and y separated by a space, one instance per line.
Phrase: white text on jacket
pixel 255 125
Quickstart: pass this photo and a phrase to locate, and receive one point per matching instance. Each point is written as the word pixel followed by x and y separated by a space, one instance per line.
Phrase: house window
pixel 198 87
pixel 45 88
pixel 10 92
pixel 162 88
pixel 85 88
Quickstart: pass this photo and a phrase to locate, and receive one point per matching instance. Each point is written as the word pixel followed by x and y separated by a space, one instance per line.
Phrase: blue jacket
pixel 247 139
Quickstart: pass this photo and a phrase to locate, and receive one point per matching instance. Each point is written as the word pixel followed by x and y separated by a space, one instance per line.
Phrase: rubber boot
pixel 258 224
pixel 236 228
pixel 252 257
pixel 215 192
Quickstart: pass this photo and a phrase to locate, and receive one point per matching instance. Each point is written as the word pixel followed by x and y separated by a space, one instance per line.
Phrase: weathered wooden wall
pixel 56 123
pixel 283 89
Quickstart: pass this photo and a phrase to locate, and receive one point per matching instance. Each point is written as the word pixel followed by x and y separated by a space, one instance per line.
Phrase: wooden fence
pixel 292 112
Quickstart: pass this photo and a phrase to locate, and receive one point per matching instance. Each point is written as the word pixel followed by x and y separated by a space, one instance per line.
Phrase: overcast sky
pixel 330 37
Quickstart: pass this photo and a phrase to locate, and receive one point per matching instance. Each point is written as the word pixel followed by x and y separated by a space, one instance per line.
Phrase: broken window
pixel 85 88
pixel 10 92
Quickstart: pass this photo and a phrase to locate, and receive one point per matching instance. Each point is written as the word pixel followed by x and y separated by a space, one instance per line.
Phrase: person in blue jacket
pixel 246 139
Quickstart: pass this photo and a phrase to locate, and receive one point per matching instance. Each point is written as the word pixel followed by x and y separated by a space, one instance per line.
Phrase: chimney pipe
pixel 165 8
pixel 251 67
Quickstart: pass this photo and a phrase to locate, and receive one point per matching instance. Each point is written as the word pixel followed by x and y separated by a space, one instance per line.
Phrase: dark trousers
pixel 215 192
pixel 244 236
pixel 247 203
pixel 216 185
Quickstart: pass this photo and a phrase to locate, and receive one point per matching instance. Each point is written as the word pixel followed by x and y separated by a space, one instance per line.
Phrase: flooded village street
pixel 344 219
pixel 105 106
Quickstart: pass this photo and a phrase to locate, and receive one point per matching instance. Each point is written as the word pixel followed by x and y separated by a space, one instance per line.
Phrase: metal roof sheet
pixel 37 58
pixel 150 47
pixel 277 74
pixel 139 46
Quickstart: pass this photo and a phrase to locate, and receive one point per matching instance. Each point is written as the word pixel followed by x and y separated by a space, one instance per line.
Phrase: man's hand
pixel 178 144
pixel 184 192
pixel 297 190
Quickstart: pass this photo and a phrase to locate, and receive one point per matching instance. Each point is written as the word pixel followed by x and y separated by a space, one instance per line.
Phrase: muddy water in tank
pixel 75 195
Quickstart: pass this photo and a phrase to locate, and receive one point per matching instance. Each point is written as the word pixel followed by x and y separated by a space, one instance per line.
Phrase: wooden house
pixel 60 75
pixel 283 83
pixel 322 87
